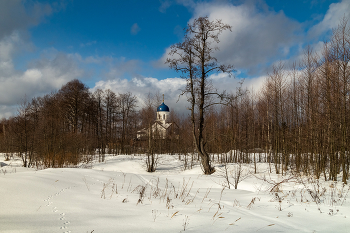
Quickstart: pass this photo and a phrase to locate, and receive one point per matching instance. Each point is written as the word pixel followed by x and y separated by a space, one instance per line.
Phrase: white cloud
pixel 15 17
pixel 160 63
pixel 255 83
pixel 223 81
pixel 10 46
pixel 37 81
pixel 141 86
pixel 332 18
pixel 171 87
pixel 44 75
pixel 135 29
pixel 257 35
pixel 7 111
pixel 52 70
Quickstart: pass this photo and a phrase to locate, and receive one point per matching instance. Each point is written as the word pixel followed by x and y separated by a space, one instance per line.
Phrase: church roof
pixel 163 108
pixel 165 125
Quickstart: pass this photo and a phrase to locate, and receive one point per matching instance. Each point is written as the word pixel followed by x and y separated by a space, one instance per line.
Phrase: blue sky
pixel 122 45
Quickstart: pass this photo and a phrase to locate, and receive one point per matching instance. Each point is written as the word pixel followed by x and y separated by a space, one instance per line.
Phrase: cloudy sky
pixel 122 45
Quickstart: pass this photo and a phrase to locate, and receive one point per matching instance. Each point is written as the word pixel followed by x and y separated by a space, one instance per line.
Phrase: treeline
pixel 300 118
pixel 70 125
pixel 73 125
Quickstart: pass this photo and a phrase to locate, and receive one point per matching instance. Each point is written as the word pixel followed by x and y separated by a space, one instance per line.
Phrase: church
pixel 161 128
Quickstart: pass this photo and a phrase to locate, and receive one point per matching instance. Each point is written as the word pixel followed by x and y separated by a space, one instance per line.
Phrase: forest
pixel 298 121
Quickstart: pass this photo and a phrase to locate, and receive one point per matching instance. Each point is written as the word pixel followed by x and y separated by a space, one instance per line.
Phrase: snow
pixel 106 198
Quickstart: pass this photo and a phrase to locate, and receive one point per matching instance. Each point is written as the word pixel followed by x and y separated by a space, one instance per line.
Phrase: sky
pixel 122 45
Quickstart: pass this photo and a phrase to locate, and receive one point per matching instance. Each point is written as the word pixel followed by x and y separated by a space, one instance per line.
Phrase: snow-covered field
pixel 120 196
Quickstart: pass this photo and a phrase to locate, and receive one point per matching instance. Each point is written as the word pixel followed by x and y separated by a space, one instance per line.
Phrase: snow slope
pixel 106 198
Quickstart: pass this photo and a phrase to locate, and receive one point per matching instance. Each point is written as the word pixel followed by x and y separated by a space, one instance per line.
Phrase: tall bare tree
pixel 194 58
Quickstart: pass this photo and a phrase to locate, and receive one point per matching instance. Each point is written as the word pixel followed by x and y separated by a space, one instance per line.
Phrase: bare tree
pixel 74 97
pixel 110 103
pixel 195 60
pixel 126 104
pixel 100 126
pixel 341 57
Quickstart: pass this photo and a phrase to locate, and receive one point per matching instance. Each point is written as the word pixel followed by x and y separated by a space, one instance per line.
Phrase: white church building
pixel 161 128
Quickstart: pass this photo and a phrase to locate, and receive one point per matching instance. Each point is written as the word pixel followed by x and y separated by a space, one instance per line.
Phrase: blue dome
pixel 163 108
